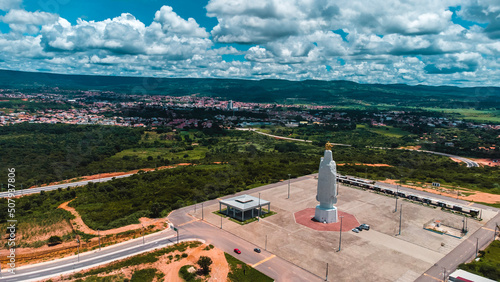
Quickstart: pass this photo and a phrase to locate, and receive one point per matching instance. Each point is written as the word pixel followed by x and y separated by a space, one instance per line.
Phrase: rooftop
pixel 244 202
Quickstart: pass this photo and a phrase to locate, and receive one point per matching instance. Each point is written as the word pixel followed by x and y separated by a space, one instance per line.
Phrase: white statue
pixel 327 188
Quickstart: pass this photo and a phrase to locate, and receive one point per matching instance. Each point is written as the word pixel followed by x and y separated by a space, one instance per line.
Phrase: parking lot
pixel 375 255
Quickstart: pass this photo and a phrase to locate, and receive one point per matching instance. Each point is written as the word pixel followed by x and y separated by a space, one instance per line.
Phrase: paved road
pixel 468 162
pixel 55 187
pixel 271 265
pixel 464 252
pixel 189 228
pixel 89 259
pixel 285 138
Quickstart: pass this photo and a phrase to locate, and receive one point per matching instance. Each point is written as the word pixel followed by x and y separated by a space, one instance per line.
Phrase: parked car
pixel 257 250
pixel 237 251
pixel 364 226
pixel 355 230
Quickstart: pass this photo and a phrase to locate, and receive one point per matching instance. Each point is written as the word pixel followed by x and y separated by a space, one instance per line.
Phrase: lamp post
pixel 400 218
pixel 78 241
pixel 99 236
pixel 202 215
pixel 260 209
pixel 477 246
pixel 289 186
pixel 340 235
pixel 397 192
pixel 143 234
pixel 265 246
pixel 326 278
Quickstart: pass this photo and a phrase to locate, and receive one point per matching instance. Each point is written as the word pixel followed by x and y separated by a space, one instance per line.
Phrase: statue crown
pixel 328 146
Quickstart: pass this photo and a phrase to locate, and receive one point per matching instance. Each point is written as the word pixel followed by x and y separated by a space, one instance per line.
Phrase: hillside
pixel 341 93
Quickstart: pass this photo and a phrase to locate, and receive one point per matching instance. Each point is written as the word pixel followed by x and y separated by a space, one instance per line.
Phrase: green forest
pixel 221 162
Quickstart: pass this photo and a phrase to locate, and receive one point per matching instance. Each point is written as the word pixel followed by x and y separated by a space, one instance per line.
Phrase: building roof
pixel 462 275
pixel 244 202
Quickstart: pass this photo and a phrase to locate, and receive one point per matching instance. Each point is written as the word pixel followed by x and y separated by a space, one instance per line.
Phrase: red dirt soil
pixel 475 196
pixel 487 162
pixel 305 217
pixel 80 225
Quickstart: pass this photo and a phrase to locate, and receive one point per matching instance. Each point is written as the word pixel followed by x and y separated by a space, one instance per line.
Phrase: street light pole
pixel 444 274
pixel 143 234
pixel 477 246
pixel 202 215
pixel 265 247
pixel 99 239
pixel 326 278
pixel 340 235
pixel 260 208
pixel 400 217
pixel 78 241
pixel 397 192
pixel 288 186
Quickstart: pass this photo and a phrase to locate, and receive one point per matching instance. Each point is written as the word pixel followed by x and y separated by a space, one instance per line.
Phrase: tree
pixel 205 262
pixel 54 240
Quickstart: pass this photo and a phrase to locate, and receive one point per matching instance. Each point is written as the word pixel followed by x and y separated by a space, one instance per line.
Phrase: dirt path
pixel 80 225
pixel 473 196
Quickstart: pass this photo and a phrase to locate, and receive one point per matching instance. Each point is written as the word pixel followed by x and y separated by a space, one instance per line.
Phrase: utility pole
pixel 143 231
pixel 397 192
pixel 260 208
pixel 340 235
pixel 400 217
pixel 99 239
pixel 326 278
pixel 78 241
pixel 477 246
pixel 288 186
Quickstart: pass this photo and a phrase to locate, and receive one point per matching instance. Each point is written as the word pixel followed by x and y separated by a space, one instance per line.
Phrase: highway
pixel 468 162
pixel 62 186
pixel 93 258
pixel 189 228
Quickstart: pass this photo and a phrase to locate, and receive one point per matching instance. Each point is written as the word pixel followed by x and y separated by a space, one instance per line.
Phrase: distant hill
pixel 342 93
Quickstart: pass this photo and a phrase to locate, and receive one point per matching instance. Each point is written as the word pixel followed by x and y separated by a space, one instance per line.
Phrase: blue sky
pixel 448 42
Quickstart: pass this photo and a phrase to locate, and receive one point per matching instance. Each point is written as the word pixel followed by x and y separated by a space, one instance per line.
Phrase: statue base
pixel 326 215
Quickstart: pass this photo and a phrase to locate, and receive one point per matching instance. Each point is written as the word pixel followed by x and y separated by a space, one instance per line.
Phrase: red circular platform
pixel 306 218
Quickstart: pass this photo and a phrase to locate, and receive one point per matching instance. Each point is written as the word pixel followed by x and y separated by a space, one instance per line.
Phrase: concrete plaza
pixel 375 255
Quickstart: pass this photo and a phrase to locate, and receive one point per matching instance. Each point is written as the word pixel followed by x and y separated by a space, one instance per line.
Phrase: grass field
pixel 471 114
pixel 388 131
pixel 242 272
pixel 489 263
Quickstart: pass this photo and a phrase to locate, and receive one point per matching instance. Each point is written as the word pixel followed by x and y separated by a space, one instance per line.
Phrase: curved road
pixel 468 162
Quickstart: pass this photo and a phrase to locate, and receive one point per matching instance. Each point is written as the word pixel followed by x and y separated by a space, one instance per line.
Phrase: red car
pixel 237 251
